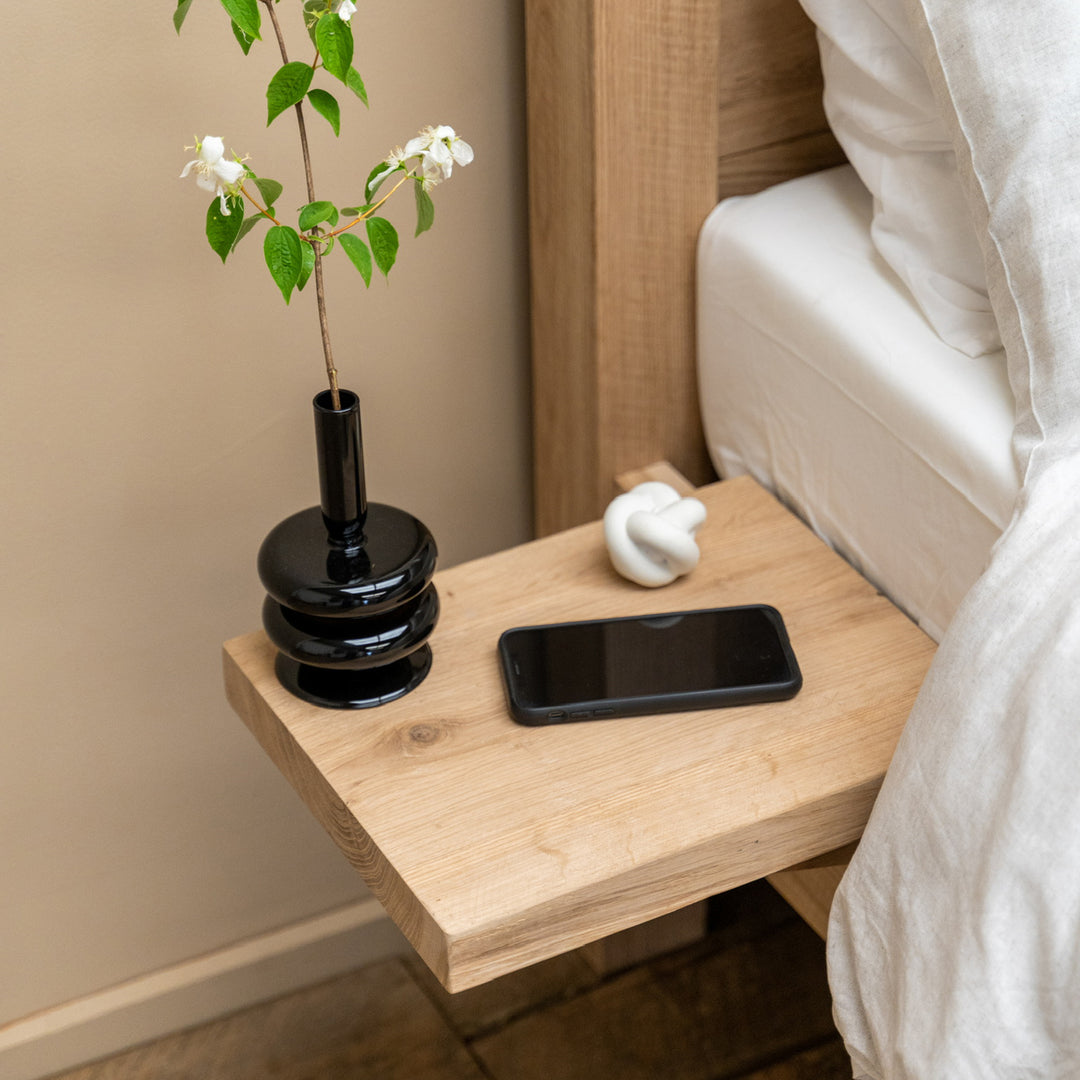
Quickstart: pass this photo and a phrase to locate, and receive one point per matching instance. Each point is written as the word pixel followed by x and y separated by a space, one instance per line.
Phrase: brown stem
pixel 375 206
pixel 324 327
pixel 320 293
pixel 255 202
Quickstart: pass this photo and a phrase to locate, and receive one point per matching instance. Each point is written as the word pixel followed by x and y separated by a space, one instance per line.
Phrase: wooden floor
pixel 750 1002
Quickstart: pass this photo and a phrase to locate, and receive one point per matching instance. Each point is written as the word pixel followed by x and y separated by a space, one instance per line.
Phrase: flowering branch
pixel 294 255
pixel 320 289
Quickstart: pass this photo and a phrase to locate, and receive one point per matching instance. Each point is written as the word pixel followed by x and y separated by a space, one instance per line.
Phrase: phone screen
pixel 655 663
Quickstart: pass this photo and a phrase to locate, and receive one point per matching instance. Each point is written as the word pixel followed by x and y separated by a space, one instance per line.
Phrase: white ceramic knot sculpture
pixel 650 533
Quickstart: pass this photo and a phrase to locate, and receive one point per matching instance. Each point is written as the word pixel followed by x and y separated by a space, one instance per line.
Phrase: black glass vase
pixel 350 603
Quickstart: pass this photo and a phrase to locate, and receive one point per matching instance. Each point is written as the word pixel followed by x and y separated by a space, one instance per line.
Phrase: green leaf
pixel 284 256
pixel 356 84
pixel 369 187
pixel 313 11
pixel 307 264
pixel 425 209
pixel 358 253
pixel 249 224
pixel 326 105
pixel 317 212
pixel 334 38
pixel 288 87
pixel 222 229
pixel 245 13
pixel 246 41
pixel 355 211
pixel 269 189
pixel 383 238
pixel 180 14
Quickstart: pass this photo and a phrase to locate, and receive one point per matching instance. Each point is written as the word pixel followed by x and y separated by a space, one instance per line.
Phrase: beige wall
pixel 155 423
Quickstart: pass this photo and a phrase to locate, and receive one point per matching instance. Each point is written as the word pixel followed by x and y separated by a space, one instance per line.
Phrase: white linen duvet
pixel 954 943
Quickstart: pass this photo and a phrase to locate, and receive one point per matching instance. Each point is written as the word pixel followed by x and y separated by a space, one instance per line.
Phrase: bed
pixel 717 285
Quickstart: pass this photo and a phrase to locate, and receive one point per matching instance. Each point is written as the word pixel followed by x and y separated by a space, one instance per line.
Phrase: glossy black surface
pixel 340 449
pixel 303 569
pixel 353 689
pixel 361 643
pixel 350 604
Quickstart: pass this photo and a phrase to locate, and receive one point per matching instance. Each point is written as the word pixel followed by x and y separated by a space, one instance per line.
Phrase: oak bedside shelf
pixel 494 846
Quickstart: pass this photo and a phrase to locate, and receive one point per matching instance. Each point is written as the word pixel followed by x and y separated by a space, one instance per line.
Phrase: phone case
pixel 646 704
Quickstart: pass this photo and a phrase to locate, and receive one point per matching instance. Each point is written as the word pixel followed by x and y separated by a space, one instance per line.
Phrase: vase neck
pixel 340 448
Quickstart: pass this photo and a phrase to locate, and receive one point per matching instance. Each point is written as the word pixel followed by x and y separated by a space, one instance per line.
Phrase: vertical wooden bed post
pixel 623 148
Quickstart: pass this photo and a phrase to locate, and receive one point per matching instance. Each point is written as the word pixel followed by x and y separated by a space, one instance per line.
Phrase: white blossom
pixel 392 161
pixel 346 9
pixel 438 148
pixel 212 171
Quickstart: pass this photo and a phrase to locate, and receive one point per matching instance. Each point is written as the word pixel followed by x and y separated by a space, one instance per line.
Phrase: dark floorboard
pixel 748 1002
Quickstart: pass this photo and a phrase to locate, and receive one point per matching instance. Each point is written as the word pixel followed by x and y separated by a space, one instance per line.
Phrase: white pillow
pixel 882 110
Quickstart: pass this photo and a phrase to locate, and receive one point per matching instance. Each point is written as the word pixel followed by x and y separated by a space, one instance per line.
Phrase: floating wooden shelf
pixel 494 846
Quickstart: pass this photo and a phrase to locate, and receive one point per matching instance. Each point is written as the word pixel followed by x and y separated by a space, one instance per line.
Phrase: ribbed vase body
pixel 350 603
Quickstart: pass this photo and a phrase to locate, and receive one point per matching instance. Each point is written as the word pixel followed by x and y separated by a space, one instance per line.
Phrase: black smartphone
pixel 632 666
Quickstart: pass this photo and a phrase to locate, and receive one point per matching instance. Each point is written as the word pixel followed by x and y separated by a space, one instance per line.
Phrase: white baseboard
pixel 195 991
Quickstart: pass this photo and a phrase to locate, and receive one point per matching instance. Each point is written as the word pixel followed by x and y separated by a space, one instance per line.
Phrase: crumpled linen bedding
pixel 954 942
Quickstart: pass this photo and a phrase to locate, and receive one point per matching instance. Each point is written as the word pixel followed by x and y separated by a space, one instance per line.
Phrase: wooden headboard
pixel 641 115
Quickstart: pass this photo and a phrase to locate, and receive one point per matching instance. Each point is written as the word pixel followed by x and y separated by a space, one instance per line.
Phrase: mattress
pixel 821 378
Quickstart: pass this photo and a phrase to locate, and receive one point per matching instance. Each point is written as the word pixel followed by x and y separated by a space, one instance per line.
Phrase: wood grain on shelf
pixel 494 846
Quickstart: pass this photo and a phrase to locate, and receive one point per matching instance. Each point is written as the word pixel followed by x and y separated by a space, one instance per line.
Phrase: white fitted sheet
pixel 821 378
